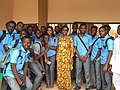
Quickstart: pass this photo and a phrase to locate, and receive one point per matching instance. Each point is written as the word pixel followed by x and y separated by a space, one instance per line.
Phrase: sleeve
pixel 99 43
pixel 75 41
pixel 110 44
pixel 14 55
pixel 90 40
pixel 36 48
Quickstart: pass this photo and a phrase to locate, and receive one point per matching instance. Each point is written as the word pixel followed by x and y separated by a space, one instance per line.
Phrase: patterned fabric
pixel 65 52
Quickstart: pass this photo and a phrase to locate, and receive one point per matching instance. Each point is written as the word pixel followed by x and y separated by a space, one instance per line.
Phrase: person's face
pixel 26 43
pixel 118 30
pixel 20 27
pixel 38 33
pixel 10 27
pixel 93 31
pixel 43 29
pixel 82 29
pixel 46 39
pixel 35 27
pixel 49 31
pixel 102 32
pixel 57 29
pixel 75 27
pixel 22 34
pixel 65 31
pixel 30 30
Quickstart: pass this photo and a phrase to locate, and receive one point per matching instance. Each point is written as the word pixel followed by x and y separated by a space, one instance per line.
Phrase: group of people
pixel 56 54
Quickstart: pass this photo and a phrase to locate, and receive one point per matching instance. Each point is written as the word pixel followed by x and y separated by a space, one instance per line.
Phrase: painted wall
pixel 6 12
pixel 25 10
pixel 83 10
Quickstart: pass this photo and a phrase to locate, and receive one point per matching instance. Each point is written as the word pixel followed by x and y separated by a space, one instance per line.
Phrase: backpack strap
pixel 95 41
pixel 3 35
pixel 16 43
pixel 82 42
pixel 112 38
pixel 39 44
pixel 7 63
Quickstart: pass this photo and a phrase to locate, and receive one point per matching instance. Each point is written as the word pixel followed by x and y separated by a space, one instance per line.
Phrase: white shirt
pixel 115 60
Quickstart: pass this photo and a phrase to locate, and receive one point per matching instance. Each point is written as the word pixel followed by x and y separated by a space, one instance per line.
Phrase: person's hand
pixel 23 79
pixel 105 67
pixel 47 61
pixel 20 82
pixel 94 61
pixel 81 59
pixel 5 47
pixel 110 69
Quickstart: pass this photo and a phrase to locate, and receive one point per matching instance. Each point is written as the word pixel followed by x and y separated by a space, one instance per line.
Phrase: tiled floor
pixel 56 88
pixel 43 86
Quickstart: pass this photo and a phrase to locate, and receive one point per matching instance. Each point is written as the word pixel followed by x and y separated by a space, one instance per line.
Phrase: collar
pixel 27 52
pixel 105 37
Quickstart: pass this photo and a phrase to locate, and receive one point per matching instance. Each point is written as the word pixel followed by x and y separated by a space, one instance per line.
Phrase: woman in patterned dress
pixel 65 52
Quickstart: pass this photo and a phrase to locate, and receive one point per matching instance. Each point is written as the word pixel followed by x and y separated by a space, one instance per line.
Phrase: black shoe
pixel 87 88
pixel 77 88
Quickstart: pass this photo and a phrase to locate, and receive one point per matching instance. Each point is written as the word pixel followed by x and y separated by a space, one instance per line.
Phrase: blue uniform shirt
pixel 73 35
pixel 95 48
pixel 87 39
pixel 7 40
pixel 11 45
pixel 52 42
pixel 37 40
pixel 104 51
pixel 13 58
pixel 17 35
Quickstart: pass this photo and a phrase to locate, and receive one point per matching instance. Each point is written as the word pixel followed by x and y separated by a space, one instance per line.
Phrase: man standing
pixel 83 44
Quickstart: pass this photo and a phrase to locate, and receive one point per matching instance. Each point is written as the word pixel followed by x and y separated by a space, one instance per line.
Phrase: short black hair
pixel 43 27
pixel 37 30
pixel 29 27
pixel 83 24
pixel 45 34
pixel 94 27
pixel 27 36
pixel 65 26
pixel 102 27
pixel 20 23
pixel 107 27
pixel 13 22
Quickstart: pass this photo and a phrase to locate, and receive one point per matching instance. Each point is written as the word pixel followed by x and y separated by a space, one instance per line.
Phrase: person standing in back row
pixel 83 44
pixel 95 58
pixel 106 54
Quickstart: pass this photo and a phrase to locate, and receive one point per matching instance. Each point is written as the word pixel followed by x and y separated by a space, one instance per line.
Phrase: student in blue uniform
pixel 7 37
pixel 18 42
pixel 95 58
pixel 74 28
pixel 19 28
pixel 36 63
pixel 57 31
pixel 106 53
pixel 15 70
pixel 38 36
pixel 50 69
pixel 83 49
